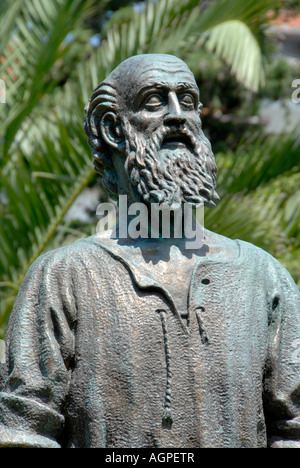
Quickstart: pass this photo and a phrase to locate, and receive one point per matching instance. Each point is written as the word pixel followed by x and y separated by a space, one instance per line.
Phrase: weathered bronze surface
pixel 123 342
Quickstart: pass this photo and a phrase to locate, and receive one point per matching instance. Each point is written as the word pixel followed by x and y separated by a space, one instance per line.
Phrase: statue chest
pixel 164 373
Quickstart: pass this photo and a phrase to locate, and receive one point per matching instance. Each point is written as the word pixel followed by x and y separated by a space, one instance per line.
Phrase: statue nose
pixel 175 114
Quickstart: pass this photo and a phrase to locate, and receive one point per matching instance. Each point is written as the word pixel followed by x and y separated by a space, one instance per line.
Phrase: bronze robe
pixel 97 355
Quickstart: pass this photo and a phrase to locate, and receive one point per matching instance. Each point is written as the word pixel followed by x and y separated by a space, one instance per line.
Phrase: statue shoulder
pixel 70 257
pixel 273 270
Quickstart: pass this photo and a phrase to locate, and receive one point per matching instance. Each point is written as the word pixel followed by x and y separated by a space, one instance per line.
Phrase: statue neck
pixel 139 220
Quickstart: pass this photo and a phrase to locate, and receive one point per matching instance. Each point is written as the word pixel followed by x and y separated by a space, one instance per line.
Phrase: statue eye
pixel 153 102
pixel 187 101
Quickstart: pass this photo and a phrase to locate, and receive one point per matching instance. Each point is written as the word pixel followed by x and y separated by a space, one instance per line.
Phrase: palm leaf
pixel 51 198
pixel 34 48
pixel 8 14
pixel 165 26
pixel 234 42
pixel 259 189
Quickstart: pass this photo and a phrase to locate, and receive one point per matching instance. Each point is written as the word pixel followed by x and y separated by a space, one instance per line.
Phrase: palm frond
pixel 165 26
pixel 8 14
pixel 37 43
pixel 259 161
pixel 51 198
pixel 259 189
pixel 234 42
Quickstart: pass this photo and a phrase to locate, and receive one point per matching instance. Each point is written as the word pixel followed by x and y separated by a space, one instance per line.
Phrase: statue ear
pixel 111 130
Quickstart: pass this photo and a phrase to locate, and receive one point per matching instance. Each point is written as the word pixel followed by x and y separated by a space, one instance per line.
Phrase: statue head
pixel 143 124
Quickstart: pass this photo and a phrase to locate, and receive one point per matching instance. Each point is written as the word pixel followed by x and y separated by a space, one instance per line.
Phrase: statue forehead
pixel 142 70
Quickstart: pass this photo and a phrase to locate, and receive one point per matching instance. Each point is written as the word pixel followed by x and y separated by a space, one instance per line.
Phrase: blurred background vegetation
pixel 54 53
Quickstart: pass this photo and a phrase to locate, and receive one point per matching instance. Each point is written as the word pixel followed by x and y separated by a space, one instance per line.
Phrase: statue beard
pixel 171 174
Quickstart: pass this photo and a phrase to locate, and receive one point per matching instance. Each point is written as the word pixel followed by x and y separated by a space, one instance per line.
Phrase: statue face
pixel 157 99
pixel 147 113
pixel 169 159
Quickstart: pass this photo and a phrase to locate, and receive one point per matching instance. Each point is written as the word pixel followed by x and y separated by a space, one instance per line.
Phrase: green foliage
pixel 259 189
pixel 50 69
pixel 279 77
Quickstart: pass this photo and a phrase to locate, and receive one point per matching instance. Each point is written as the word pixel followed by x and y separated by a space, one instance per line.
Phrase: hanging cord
pixel 203 333
pixel 167 418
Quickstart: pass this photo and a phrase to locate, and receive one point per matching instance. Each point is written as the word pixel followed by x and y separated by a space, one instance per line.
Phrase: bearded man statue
pixel 140 342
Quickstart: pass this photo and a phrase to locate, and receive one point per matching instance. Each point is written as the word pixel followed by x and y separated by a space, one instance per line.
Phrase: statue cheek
pixel 195 123
pixel 146 122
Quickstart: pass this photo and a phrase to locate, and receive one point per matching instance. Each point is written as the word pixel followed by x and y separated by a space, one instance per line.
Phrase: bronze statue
pixel 117 341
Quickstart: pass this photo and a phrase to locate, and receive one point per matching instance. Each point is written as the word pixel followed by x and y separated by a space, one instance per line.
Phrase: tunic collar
pixel 145 280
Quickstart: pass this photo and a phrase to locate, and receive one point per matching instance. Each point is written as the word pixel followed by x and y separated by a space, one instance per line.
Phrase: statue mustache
pixel 163 135
pixel 186 174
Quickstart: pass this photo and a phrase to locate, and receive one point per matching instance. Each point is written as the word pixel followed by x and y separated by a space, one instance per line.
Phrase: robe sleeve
pixel 38 358
pixel 282 376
